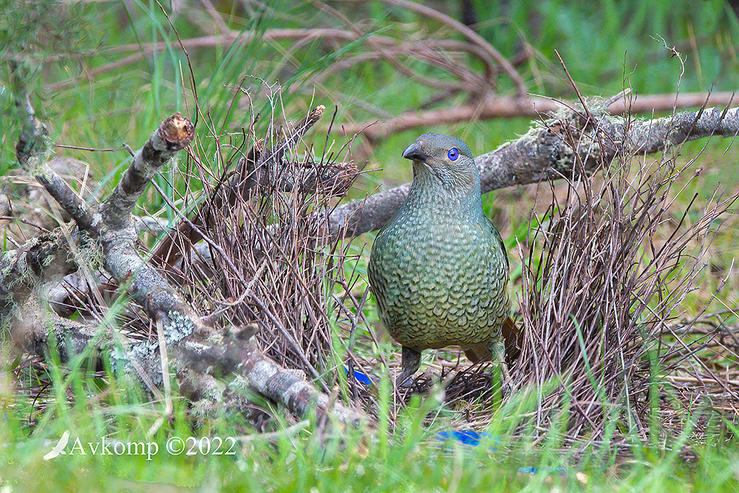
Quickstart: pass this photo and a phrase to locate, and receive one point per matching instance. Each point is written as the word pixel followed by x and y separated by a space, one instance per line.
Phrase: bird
pixel 439 268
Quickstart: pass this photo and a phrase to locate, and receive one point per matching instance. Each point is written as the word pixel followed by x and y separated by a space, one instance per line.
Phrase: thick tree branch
pixel 36 327
pixel 543 153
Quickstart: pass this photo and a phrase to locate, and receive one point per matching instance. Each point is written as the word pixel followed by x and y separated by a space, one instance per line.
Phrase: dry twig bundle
pixel 605 276
pixel 271 260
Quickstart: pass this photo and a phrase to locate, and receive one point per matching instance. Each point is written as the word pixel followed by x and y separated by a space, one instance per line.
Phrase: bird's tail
pixel 512 338
pixel 511 341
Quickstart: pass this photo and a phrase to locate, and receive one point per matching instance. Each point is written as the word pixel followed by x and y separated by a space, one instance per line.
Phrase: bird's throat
pixel 436 194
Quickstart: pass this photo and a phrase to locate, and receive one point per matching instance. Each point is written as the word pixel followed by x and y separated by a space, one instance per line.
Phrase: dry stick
pixel 204 41
pixel 544 154
pixel 173 135
pixel 470 34
pixel 222 26
pixel 515 107
pixel 164 357
pixel 572 82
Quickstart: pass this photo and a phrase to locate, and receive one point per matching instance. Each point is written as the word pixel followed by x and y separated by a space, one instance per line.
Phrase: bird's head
pixel 443 160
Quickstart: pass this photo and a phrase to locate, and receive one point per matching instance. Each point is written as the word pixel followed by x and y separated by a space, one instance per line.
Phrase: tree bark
pixel 543 154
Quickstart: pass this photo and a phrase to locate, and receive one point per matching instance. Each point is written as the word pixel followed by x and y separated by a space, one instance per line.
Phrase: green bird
pixel 439 268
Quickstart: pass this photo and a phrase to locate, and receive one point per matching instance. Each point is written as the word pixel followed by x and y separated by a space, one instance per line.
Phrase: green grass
pixel 410 458
pixel 601 42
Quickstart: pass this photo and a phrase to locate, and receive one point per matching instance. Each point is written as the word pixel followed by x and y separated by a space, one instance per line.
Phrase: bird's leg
pixel 498 351
pixel 410 362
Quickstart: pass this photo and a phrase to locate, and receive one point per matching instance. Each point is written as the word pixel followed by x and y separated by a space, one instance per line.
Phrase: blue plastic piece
pixel 358 376
pixel 468 437
pixel 473 439
pixel 533 470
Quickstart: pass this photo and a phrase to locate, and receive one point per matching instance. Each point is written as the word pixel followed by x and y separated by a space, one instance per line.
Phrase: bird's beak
pixel 415 152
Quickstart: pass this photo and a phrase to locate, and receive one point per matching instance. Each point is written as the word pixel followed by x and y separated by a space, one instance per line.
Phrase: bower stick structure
pixel 185 340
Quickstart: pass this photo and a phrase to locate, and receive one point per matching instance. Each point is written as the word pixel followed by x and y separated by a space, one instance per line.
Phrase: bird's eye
pixel 453 154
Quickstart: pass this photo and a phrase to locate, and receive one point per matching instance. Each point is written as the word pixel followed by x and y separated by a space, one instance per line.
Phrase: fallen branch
pixel 544 154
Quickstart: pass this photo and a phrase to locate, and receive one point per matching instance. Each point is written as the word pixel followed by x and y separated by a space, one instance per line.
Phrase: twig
pixel 426 11
pixel 534 107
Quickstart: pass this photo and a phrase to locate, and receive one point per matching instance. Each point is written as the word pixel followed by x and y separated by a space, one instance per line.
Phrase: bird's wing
pixel 371 274
pixel 497 236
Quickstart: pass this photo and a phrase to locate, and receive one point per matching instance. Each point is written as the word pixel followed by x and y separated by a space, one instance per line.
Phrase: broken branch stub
pixel 174 134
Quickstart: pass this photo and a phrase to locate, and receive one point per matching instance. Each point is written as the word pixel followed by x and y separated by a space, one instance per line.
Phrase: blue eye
pixel 453 154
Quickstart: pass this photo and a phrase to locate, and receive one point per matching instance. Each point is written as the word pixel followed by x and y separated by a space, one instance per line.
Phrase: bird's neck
pixel 438 196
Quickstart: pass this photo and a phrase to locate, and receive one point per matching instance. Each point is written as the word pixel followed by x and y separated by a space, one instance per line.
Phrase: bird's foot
pixel 404 381
pixel 506 382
